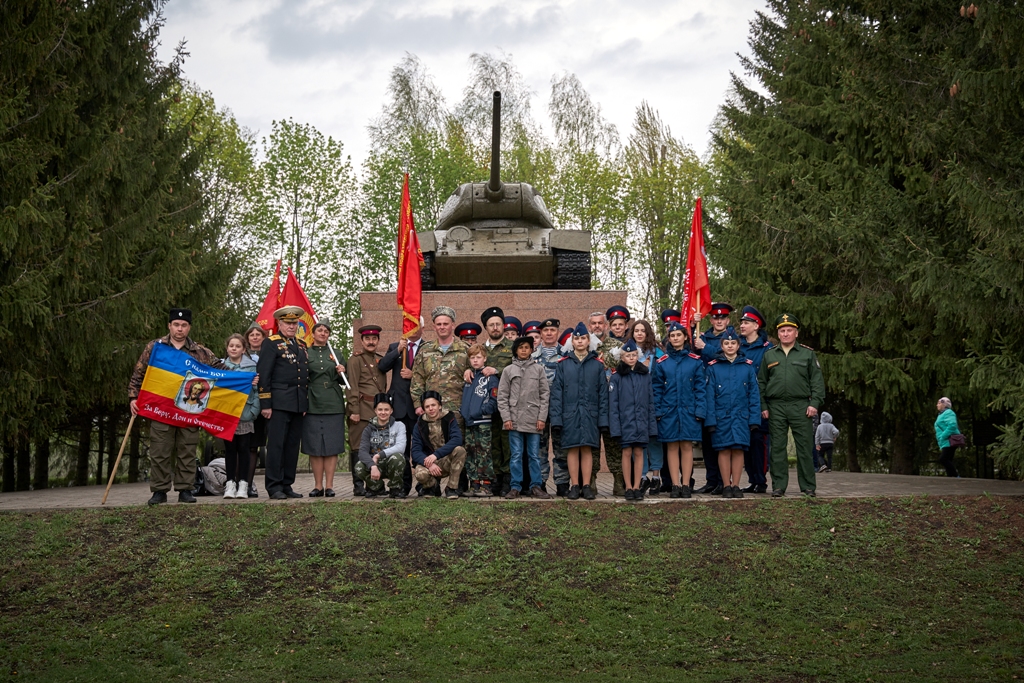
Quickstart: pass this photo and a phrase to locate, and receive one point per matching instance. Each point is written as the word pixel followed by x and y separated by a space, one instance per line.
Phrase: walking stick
pixel 113 470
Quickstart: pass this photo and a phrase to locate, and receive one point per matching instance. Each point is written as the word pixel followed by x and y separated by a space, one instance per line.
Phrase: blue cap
pixel 513 323
pixel 581 331
pixel 629 346
pixel 617 312
pixel 729 333
pixel 754 315
pixel 670 315
pixel 673 326
pixel 565 336
pixel 467 330
pixel 532 326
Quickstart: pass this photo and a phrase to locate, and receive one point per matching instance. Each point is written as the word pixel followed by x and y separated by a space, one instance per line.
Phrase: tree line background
pixel 865 175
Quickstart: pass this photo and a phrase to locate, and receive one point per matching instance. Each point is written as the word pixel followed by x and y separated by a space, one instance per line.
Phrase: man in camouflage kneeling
pixel 437 448
pixel 382 451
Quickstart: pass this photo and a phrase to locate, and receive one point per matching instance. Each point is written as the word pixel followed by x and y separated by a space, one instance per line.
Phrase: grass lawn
pixel 880 590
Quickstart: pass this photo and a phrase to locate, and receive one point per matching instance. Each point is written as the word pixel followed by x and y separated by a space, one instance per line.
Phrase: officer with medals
pixel 283 370
pixel 367 380
pixel 792 392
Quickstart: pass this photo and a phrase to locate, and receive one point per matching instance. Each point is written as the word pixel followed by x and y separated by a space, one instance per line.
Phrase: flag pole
pixel 113 470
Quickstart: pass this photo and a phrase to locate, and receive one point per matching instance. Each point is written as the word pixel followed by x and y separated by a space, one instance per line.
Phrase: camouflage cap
pixel 442 310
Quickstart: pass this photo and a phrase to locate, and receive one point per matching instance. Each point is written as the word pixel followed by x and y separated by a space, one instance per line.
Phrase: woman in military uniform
pixel 323 430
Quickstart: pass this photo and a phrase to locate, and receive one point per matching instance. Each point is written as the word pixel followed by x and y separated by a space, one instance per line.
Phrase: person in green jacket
pixel 792 392
pixel 945 427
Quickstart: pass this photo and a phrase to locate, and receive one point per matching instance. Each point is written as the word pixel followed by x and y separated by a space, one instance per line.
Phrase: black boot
pixel 157 498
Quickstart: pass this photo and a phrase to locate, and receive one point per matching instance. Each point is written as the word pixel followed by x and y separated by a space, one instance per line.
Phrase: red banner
pixel 410 260
pixel 293 295
pixel 265 319
pixel 696 289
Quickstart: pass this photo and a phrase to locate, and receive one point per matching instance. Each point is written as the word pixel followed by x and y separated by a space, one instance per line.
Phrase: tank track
pixel 572 270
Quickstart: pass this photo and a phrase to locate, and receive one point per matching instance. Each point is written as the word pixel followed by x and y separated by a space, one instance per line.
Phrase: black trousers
pixel 946 458
pixel 410 424
pixel 714 476
pixel 236 457
pixel 284 435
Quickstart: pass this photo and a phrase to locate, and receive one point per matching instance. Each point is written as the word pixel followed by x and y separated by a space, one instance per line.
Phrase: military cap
pixel 464 330
pixel 752 314
pixel 581 331
pixel 670 315
pixel 512 323
pixel 180 314
pixel 674 325
pixel 442 310
pixel 323 322
pixel 430 393
pixel 617 312
pixel 370 330
pixel 492 312
pixel 519 342
pixel 381 398
pixel 565 336
pixel 289 314
pixel 532 326
pixel 721 308
pixel 551 322
pixel 787 320
pixel 730 333
pixel 629 346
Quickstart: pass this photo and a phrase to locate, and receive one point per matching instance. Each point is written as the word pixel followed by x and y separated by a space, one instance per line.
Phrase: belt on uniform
pixel 367 399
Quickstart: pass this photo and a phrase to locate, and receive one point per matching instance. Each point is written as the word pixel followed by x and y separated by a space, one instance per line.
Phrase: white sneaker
pixel 243 490
pixel 230 489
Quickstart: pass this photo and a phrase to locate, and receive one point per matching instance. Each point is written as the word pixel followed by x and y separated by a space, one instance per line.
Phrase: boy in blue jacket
pixel 479 403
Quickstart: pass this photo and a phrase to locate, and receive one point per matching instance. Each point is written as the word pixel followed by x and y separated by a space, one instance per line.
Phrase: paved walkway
pixel 830 485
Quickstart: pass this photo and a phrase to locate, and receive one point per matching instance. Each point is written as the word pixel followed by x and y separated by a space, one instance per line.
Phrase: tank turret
pixel 495 235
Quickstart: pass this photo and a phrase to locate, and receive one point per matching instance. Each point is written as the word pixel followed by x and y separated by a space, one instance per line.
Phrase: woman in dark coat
pixel 734 409
pixel 579 409
pixel 631 415
pixel 679 403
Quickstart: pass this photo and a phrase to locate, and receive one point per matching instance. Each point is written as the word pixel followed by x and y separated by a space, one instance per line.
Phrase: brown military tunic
pixel 367 380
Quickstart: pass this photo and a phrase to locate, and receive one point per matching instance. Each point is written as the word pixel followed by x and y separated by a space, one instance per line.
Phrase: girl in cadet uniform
pixel 680 406
pixel 631 415
pixel 641 332
pixel 579 409
pixel 236 451
pixel 734 409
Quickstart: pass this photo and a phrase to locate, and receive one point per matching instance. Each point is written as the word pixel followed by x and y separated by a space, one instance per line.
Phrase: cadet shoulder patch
pixel 712 362
pixel 694 355
pixel 561 359
pixel 766 343
pixel 749 362
pixel 663 358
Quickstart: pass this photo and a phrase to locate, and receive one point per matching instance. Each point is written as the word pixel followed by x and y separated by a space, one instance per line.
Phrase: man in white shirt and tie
pixel 398 361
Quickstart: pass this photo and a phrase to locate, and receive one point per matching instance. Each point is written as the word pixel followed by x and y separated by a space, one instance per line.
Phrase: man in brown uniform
pixel 367 381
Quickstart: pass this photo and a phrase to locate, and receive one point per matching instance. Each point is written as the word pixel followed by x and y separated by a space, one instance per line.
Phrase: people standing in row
pixel 399 361
pixel 632 419
pixel 734 409
pixel 680 383
pixel 382 451
pixel 172 450
pixel 283 370
pixel 479 404
pixel 366 381
pixel 792 391
pixel 323 428
pixel 236 451
pixel 709 343
pixel 753 344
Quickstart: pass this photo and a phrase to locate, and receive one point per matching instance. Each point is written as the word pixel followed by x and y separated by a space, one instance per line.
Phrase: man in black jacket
pixel 401 380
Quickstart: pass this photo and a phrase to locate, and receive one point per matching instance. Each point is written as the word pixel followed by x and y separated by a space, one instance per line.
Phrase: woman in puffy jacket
pixel 945 427
pixel 734 409
pixel 631 415
pixel 680 406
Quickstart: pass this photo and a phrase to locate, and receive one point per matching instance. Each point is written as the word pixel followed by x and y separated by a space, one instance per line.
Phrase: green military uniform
pixel 789 383
pixel 499 357
pixel 441 371
pixel 612 446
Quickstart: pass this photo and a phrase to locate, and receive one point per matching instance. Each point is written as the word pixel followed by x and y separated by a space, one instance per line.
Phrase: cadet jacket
pixel 712 344
pixel 756 349
pixel 523 395
pixel 326 396
pixel 386 440
pixel 284 374
pixel 679 395
pixel 734 401
pixel 479 399
pixel 367 381
pixel 579 400
pixel 422 445
pixel 197 351
pixel 945 427
pixel 499 356
pixel 631 416
pixel 793 377
pixel 443 372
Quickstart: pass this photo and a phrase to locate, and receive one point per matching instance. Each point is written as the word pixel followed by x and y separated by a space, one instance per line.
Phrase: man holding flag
pixel 172 448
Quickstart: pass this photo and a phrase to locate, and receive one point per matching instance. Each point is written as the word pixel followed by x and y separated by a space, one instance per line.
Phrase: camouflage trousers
pixel 479 466
pixel 613 455
pixel 451 466
pixel 559 465
pixel 391 467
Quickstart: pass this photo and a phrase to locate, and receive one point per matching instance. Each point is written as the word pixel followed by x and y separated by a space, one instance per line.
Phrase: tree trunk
pixel 24 462
pixel 852 442
pixel 133 452
pixel 903 448
pixel 113 443
pixel 100 443
pixel 8 467
pixel 42 469
pixel 84 444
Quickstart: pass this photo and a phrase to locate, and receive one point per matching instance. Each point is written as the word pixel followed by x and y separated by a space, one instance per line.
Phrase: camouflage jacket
pixel 605 355
pixel 440 372
pixel 197 351
pixel 499 356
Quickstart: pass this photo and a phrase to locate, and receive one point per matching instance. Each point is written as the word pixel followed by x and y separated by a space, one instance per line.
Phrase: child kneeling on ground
pixel 523 394
pixel 382 451
pixel 437 448
pixel 479 403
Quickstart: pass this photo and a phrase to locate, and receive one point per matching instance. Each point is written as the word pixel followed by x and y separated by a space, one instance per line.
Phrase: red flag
pixel 410 260
pixel 696 289
pixel 265 319
pixel 294 296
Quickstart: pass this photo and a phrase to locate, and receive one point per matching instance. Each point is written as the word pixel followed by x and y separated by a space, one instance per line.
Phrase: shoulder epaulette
pixel 694 355
pixel 613 372
pixel 561 359
pixel 275 337
pixel 712 362
pixel 749 362
pixel 663 358
pixel 807 347
pixel 766 343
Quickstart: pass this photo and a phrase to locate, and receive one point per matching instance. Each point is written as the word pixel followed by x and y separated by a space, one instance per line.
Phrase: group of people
pixel 481 405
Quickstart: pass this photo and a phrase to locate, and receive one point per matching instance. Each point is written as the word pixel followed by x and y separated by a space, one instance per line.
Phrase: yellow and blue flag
pixel 179 390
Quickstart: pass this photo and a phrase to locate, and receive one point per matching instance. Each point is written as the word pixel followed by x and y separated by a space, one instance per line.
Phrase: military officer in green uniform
pixel 499 357
pixel 608 353
pixel 441 365
pixel 792 392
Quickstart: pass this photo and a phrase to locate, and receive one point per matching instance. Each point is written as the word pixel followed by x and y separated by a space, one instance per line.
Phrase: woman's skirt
pixel 323 435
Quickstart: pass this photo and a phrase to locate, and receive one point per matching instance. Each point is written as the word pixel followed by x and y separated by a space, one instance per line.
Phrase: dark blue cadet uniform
pixel 755 460
pixel 734 402
pixel 631 414
pixel 679 396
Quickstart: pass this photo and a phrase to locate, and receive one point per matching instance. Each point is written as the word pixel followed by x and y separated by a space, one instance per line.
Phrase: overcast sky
pixel 326 62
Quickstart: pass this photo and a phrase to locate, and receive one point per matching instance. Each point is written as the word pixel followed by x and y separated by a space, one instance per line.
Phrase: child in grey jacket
pixel 523 394
pixel 825 440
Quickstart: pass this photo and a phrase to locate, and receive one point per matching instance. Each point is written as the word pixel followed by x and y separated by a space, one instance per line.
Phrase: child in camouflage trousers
pixel 479 403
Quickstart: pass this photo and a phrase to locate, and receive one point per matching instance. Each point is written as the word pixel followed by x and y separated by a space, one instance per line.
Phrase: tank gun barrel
pixel 495 184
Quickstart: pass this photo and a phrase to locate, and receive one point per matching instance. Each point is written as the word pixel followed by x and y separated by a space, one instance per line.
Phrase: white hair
pixel 945 402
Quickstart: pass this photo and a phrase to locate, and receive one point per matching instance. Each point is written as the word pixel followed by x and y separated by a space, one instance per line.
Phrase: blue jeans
pixel 515 442
pixel 654 458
